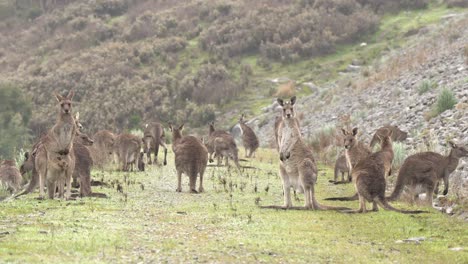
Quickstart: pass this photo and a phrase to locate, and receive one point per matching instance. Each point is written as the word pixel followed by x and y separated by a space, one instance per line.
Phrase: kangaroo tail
pixel 398 188
pixel 383 202
pixel 349 198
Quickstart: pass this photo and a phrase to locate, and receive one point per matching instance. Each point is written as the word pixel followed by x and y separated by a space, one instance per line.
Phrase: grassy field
pixel 149 222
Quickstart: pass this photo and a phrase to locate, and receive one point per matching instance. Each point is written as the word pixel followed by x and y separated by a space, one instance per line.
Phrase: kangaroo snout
pixel 285 156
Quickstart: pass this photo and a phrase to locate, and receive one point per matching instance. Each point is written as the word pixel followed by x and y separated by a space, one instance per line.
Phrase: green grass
pixel 445 101
pixel 223 224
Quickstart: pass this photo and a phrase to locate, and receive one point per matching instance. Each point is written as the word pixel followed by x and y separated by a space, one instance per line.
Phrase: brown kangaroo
pixel 341 166
pixel 55 160
pixel 127 147
pixel 297 164
pixel 153 138
pixel 102 149
pixel 397 134
pixel 427 169
pixel 10 176
pixel 191 158
pixel 369 179
pixel 83 163
pixel 223 145
pixel 249 139
pixel 355 151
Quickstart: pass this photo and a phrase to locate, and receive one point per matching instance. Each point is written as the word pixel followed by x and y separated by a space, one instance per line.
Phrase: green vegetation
pixel 399 155
pixel 445 101
pixel 149 222
pixel 15 113
pixel 426 86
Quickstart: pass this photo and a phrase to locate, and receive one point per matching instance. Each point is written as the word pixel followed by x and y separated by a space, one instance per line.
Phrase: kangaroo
pixel 427 169
pixel 10 176
pixel 102 149
pixel 369 179
pixel 249 139
pixel 341 166
pixel 153 138
pixel 397 134
pixel 191 158
pixel 128 148
pixel 223 145
pixel 83 163
pixel 55 160
pixel 354 152
pixel 297 164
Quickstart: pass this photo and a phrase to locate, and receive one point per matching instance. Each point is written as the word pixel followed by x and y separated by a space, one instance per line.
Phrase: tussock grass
pixel 445 101
pixel 147 221
pixel 426 86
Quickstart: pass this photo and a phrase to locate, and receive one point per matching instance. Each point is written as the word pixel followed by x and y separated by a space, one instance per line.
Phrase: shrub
pixel 445 101
pixel 426 86
pixel 399 155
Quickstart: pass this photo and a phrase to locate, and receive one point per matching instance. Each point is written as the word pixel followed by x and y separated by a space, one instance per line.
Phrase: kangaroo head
pixel 84 139
pixel 211 129
pixel 288 107
pixel 386 138
pixel 65 102
pixel 177 131
pixel 350 139
pixel 458 150
pixel 241 119
pixel 401 135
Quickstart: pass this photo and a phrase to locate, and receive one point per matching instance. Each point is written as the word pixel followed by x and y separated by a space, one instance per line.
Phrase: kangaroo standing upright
pixel 55 158
pixel 369 179
pixel 297 164
pixel 153 138
pixel 355 151
pixel 427 169
pixel 191 158
pixel 249 139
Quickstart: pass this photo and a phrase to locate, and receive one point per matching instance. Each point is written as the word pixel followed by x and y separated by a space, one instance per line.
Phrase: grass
pixel 150 222
pixel 425 86
pixel 445 101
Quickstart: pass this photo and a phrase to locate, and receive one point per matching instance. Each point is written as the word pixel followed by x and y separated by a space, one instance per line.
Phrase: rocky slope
pixel 436 54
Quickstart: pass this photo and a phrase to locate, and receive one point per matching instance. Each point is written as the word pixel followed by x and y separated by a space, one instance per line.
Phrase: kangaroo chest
pixel 64 134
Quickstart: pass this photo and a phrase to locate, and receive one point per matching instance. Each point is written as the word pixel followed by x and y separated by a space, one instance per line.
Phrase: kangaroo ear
pixel 293 100
pixel 71 94
pixel 181 127
pixel 77 116
pixel 355 130
pixel 170 127
pixel 146 125
pixel 390 133
pixel 280 101
pixel 58 97
pixel 26 155
pixel 452 144
pixel 344 131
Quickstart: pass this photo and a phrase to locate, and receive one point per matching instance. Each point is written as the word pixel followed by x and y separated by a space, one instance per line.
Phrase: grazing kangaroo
pixel 397 134
pixel 191 158
pixel 354 152
pixel 249 139
pixel 153 138
pixel 55 160
pixel 341 166
pixel 10 176
pixel 427 169
pixel 223 145
pixel 102 149
pixel 297 164
pixel 369 179
pixel 128 148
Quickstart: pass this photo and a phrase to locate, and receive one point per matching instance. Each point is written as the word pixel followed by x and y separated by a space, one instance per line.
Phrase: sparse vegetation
pixel 399 155
pixel 425 86
pixel 147 221
pixel 445 101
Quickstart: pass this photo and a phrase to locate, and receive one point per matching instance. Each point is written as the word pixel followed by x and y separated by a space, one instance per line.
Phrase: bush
pixel 399 155
pixel 426 86
pixel 445 101
pixel 15 113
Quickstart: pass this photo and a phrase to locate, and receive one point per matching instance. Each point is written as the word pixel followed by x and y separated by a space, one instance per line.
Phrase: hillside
pixel 176 61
